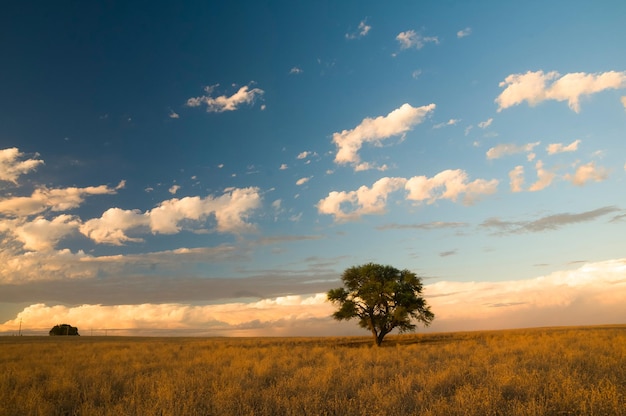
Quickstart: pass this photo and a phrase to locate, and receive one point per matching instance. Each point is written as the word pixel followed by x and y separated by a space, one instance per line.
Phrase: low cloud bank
pixel 594 293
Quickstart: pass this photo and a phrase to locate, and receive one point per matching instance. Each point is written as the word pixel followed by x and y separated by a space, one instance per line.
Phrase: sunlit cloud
pixel 463 33
pixel 623 100
pixel 535 87
pixel 451 122
pixel 594 293
pixel 486 123
pixel 544 178
pixel 448 184
pixel 412 39
pixel 554 148
pixel 375 130
pixel 363 30
pixel 509 149
pixel 586 173
pixel 173 189
pixel 13 164
pixel 516 177
pixel 222 103
pixel 302 181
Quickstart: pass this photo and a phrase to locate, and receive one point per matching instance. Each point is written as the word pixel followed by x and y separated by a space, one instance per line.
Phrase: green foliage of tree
pixel 382 298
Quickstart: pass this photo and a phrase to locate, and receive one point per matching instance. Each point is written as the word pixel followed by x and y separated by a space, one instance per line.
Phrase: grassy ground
pixel 552 371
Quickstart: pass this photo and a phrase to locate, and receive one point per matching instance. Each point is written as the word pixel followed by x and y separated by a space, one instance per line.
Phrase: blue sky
pixel 213 168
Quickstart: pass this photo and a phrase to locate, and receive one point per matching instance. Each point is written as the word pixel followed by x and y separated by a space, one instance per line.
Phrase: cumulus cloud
pixel 450 122
pixel 547 223
pixel 374 130
pixel 173 114
pixel 623 99
pixel 302 181
pixel 486 123
pixel 173 189
pixel 41 234
pixel 350 205
pixel 516 176
pixel 363 30
pixel 544 177
pixel 554 148
pixel 594 293
pixel 295 70
pixel 222 103
pixel 412 39
pixel 12 167
pixel 463 33
pixel 586 173
pixel 535 87
pixel 509 149
pixel 112 226
pixel 448 184
pixel 43 199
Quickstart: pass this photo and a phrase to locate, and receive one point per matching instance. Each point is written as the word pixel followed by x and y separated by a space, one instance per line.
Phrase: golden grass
pixel 546 371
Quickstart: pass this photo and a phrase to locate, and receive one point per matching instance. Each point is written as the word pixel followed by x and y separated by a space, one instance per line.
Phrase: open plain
pixel 541 371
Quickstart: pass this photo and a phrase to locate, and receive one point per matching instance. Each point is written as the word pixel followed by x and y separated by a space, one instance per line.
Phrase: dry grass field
pixel 546 371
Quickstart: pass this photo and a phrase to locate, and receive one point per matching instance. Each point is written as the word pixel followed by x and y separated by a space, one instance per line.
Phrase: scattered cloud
pixel 295 70
pixel 451 122
pixel 448 253
pixel 544 178
pixel 223 103
pixel 304 155
pixel 173 114
pixel 486 123
pixel 463 33
pixel 283 166
pixel 173 189
pixel 416 74
pixel 436 225
pixel 448 184
pixel 412 39
pixel 623 100
pixel 363 30
pixel 516 177
pixel 535 87
pixel 586 173
pixel 44 199
pixel 547 223
pixel 554 148
pixel 509 149
pixel 302 181
pixel 41 234
pixel 11 167
pixel 374 130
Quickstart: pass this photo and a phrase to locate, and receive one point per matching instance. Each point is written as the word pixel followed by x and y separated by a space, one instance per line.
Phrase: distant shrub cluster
pixel 64 329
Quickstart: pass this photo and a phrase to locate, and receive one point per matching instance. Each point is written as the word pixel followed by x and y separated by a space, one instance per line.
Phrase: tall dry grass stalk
pixel 559 371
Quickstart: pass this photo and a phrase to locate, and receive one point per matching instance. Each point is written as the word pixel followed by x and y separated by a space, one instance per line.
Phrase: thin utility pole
pixel 20 331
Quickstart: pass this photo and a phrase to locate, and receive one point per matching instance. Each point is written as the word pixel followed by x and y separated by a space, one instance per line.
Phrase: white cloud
pixel 112 226
pixel 486 123
pixel 544 178
pixel 554 148
pixel 448 184
pixel 283 166
pixel 415 74
pixel 517 178
pixel 11 167
pixel 451 122
pixel 463 33
pixel 351 205
pixel 586 173
pixel 295 70
pixel 173 189
pixel 173 114
pixel 623 100
pixel 222 103
pixel 374 130
pixel 412 39
pixel 41 234
pixel 533 87
pixel 509 149
pixel 43 199
pixel 363 30
pixel 303 155
pixel 302 181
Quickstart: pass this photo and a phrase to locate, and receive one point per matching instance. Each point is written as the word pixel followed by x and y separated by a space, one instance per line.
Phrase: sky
pixel 211 168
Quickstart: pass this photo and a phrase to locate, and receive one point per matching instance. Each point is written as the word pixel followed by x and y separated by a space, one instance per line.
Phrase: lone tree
pixel 382 298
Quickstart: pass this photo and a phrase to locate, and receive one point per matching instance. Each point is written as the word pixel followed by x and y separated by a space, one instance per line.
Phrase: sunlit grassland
pixel 545 371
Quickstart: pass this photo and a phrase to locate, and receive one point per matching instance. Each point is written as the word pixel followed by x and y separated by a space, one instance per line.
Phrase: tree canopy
pixel 382 298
